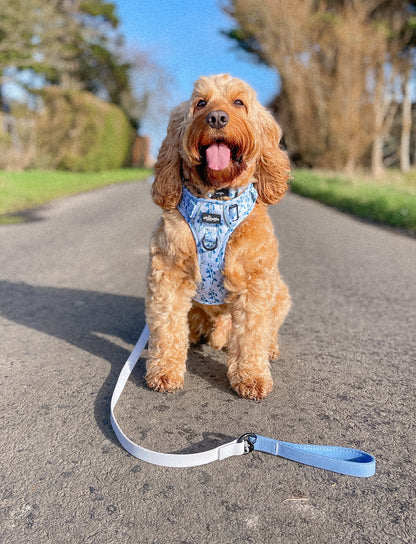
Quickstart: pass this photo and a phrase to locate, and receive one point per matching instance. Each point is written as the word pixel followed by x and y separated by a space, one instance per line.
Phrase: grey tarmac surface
pixel 71 308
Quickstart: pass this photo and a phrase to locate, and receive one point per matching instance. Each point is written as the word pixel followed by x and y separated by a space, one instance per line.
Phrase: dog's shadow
pixel 209 365
pixel 90 320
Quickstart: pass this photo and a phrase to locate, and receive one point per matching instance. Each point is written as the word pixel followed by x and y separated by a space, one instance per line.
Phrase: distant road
pixel 71 306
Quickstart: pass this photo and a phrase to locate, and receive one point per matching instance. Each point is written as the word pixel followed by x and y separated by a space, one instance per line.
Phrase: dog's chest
pixel 212 222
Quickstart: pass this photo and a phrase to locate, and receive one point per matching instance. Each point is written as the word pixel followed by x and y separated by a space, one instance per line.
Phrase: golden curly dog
pixel 221 138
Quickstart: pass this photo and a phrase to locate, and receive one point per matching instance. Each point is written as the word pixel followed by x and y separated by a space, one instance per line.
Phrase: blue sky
pixel 183 37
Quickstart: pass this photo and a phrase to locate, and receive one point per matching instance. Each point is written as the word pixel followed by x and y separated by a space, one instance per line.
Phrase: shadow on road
pixel 91 321
pixel 83 319
pixel 31 215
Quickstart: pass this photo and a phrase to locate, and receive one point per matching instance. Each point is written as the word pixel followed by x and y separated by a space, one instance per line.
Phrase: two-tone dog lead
pixel 336 459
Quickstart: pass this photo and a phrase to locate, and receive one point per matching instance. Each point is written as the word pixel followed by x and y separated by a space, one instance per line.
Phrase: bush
pixel 76 131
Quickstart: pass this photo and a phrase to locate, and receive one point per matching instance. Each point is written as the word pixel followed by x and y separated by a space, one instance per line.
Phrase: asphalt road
pixel 71 307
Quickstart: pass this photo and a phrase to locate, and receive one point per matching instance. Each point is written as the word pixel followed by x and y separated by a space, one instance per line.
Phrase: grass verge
pixel 20 191
pixel 390 200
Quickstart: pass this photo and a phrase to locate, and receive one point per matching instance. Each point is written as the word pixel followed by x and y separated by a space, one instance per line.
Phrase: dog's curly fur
pixel 258 300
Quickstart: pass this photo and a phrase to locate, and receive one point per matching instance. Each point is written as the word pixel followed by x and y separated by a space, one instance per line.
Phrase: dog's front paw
pixel 253 387
pixel 165 381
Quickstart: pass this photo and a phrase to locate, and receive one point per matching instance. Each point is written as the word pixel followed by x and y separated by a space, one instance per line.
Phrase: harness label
pixel 211 218
pixel 219 193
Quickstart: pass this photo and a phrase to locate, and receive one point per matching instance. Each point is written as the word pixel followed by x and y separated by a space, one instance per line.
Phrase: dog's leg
pixel 221 331
pixel 168 301
pixel 248 362
pixel 200 325
pixel 281 307
pixel 210 323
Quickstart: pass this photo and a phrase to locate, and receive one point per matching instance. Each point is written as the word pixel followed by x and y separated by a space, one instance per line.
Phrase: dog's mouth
pixel 218 155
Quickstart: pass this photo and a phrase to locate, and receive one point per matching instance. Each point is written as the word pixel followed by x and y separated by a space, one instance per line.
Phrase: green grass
pixel 390 200
pixel 20 191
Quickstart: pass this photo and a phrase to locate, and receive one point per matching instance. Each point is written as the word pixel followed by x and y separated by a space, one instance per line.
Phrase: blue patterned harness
pixel 212 223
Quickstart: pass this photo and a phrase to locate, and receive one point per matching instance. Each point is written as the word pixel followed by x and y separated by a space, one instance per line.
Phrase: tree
pixel 71 43
pixel 100 65
pixel 31 34
pixel 407 37
pixel 74 45
pixel 337 64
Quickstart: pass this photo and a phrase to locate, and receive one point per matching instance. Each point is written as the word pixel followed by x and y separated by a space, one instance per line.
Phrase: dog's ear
pixel 167 187
pixel 273 166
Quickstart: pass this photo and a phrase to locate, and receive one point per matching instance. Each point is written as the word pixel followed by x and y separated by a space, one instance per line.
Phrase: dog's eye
pixel 201 104
pixel 238 103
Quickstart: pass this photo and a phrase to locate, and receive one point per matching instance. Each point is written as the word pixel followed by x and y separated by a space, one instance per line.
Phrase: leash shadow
pixel 209 441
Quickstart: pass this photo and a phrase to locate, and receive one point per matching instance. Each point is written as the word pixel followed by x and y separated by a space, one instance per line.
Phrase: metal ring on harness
pixel 209 244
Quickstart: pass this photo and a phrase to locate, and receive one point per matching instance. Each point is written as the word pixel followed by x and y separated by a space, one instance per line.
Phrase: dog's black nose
pixel 217 119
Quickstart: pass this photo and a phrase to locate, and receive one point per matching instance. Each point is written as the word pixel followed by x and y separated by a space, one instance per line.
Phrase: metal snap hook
pixel 249 440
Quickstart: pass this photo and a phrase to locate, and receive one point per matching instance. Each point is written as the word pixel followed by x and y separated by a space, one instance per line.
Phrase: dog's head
pixel 221 137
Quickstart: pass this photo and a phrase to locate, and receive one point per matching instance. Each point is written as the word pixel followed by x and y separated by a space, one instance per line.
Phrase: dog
pixel 222 153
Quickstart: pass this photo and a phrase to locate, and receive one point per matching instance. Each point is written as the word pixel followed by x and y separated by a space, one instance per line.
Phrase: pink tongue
pixel 218 156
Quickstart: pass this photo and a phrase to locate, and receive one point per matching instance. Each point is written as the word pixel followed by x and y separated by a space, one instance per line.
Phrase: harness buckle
pixel 249 440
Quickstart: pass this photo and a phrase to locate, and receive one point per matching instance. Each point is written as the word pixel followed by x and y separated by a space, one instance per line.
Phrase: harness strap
pixel 336 459
pixel 212 222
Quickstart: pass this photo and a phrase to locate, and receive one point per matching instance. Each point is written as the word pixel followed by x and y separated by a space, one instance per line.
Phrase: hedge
pixel 77 131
